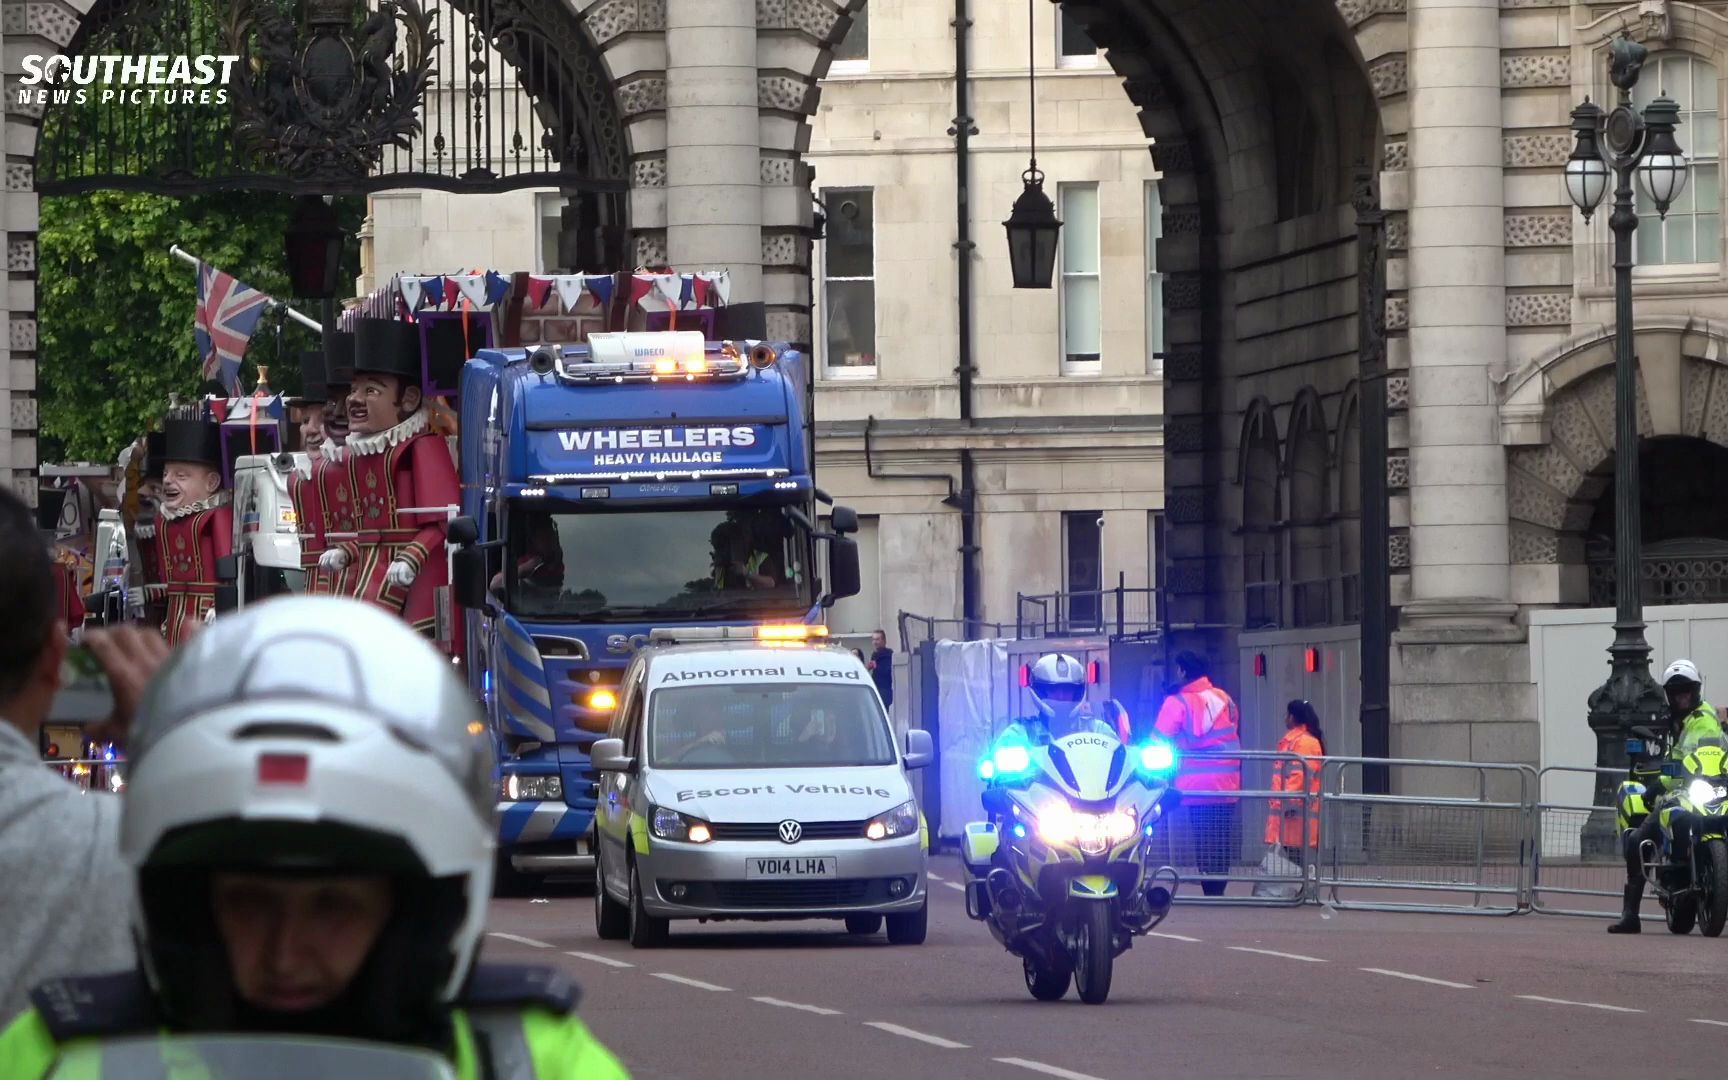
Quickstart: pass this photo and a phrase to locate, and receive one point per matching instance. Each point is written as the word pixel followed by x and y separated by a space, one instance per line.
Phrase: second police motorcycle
pixel 1062 872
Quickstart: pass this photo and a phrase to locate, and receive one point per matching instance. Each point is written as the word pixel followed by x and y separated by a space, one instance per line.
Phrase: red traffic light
pixel 1025 674
pixel 1092 672
pixel 1311 660
pixel 1260 665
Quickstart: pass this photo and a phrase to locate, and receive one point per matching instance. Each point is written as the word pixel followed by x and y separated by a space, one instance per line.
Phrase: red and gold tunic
pixel 189 543
pixel 150 571
pixel 305 493
pixel 366 490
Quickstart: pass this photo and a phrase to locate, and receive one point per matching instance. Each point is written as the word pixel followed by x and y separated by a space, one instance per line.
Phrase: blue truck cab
pixel 641 481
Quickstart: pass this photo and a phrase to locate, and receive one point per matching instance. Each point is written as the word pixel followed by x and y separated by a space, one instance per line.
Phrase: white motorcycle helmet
pixel 311 735
pixel 1683 675
pixel 1058 685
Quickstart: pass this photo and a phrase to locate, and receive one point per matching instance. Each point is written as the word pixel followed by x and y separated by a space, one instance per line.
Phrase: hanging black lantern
pixel 1033 230
pixel 314 247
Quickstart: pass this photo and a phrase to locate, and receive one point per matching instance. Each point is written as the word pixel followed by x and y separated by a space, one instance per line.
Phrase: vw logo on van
pixel 791 832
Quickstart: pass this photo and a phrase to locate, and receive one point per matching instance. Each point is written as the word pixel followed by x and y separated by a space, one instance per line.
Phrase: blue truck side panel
pixel 525 432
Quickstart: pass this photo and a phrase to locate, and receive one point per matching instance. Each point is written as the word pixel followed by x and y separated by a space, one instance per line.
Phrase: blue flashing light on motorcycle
pixel 1156 757
pixel 1010 759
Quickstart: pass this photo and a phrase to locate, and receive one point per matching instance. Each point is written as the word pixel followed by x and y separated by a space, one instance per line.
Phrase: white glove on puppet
pixel 400 574
pixel 334 559
pixel 209 615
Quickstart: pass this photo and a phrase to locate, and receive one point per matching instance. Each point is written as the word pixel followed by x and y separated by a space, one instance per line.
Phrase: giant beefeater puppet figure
pixel 392 462
pixel 195 521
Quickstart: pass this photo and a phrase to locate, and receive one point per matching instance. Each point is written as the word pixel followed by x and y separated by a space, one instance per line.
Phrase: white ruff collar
pixel 365 445
pixel 211 502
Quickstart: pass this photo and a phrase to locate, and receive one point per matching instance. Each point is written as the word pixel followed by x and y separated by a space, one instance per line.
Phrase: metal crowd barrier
pixel 1579 869
pixel 1221 839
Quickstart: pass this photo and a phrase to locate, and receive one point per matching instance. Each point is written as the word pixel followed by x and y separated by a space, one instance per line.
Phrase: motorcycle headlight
pixel 1703 792
pixel 1092 833
pixel 669 824
pixel 532 787
pixel 900 821
pixel 1009 759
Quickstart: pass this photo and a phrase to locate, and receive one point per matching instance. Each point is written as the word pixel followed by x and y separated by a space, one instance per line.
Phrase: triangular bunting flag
pixel 452 291
pixel 669 286
pixel 433 289
pixel 640 286
pixel 496 287
pixel 721 282
pixel 699 290
pixel 686 290
pixel 601 286
pixel 473 286
pixel 410 290
pixel 569 291
pixel 538 289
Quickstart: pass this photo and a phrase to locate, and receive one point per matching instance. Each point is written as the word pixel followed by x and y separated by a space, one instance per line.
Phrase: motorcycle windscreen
pixel 233 1057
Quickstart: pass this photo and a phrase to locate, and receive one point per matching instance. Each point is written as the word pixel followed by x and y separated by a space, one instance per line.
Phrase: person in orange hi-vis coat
pixel 1200 718
pixel 1284 816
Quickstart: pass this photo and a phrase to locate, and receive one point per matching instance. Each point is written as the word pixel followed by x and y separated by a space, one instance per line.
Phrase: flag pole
pixel 304 320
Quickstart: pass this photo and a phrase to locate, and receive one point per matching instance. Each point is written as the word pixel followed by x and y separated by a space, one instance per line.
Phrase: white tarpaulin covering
pixel 973 706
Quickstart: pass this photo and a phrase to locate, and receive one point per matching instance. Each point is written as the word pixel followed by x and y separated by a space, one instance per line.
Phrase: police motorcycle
pixel 1060 873
pixel 246 1057
pixel 1689 874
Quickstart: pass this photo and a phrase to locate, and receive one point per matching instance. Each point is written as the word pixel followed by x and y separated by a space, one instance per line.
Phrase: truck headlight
pixel 669 824
pixel 533 787
pixel 900 821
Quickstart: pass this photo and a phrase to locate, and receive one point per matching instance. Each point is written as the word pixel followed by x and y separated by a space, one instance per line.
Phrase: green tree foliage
pixel 115 310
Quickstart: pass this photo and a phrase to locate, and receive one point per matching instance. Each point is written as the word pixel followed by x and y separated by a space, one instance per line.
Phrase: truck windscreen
pixel 630 566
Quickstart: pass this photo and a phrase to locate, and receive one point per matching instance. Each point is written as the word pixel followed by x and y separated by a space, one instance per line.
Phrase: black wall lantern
pixel 314 247
pixel 1033 227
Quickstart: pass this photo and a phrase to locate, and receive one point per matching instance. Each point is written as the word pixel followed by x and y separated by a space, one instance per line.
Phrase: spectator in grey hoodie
pixel 67 896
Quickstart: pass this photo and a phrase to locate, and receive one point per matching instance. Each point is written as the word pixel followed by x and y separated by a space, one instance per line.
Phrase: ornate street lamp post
pixel 1624 143
pixel 1032 225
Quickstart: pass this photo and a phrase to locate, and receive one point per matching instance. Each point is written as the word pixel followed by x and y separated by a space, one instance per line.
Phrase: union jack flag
pixel 227 311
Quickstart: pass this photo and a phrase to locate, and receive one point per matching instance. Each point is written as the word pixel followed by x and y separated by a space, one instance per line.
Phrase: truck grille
pixel 813 830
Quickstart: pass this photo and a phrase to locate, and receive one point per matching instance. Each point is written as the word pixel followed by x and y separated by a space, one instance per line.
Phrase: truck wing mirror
pixel 843 568
pixel 462 531
pixel 469 579
pixel 844 520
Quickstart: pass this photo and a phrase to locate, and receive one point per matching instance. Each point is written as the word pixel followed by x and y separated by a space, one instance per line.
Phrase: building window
pixel 853 52
pixel 1155 546
pixel 1082 569
pixel 1074 47
pixel 551 224
pixel 1154 282
pixel 848 302
pixel 1082 312
pixel 1692 234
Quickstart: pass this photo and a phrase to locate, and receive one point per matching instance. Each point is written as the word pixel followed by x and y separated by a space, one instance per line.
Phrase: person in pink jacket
pixel 1201 719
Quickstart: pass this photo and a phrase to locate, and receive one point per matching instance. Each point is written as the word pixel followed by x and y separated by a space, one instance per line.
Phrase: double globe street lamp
pixel 1623 144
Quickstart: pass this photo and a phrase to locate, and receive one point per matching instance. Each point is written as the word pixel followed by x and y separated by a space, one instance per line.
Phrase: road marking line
pixel 1174 937
pixel 955 885
pixel 1580 1004
pixel 908 1033
pixel 817 1009
pixel 1269 952
pixel 933 877
pixel 522 940
pixel 598 959
pixel 697 983
pixel 1047 1070
pixel 1713 1023
pixel 1418 978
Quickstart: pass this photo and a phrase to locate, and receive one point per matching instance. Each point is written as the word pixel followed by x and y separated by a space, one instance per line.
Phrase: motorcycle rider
pixel 1692 722
pixel 1058 685
pixel 310 827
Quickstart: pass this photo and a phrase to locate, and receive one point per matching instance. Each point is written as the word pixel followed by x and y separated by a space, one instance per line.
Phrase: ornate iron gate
pixel 347 97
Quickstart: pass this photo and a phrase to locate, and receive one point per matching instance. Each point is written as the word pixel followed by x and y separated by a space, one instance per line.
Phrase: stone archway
pixel 674 154
pixel 1196 71
pixel 1555 489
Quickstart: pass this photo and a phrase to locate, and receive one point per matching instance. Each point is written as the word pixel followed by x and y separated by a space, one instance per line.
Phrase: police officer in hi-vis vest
pixel 309 820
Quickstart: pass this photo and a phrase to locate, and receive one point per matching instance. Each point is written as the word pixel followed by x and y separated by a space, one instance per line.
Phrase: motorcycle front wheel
pixel 1681 912
pixel 1713 886
pixel 1095 953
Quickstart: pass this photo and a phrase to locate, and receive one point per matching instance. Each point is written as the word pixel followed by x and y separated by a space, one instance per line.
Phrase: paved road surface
pixel 1239 992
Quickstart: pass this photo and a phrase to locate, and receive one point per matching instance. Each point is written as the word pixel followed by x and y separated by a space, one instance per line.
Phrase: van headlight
pixel 669 824
pixel 900 821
